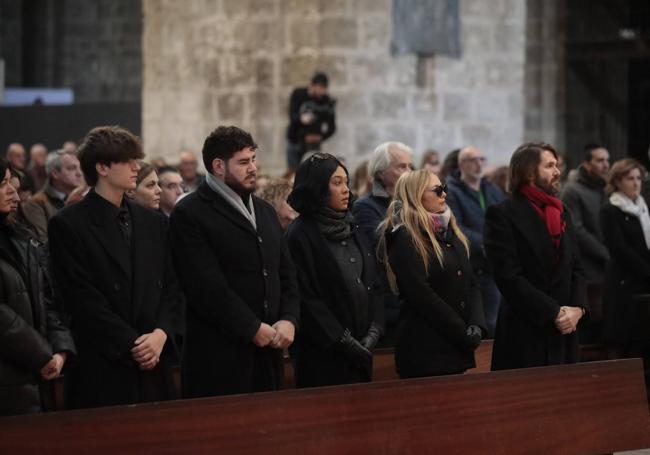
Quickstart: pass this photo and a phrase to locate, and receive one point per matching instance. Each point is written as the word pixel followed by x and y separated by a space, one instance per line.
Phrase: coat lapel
pixel 224 208
pixel 532 227
pixel 107 234
pixel 141 244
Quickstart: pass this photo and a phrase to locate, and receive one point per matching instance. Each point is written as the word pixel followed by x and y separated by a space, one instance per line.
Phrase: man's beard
pixel 552 188
pixel 237 186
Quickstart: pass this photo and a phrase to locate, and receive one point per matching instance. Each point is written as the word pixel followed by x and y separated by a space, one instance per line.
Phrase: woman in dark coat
pixel 340 308
pixel 34 343
pixel 441 319
pixel 626 231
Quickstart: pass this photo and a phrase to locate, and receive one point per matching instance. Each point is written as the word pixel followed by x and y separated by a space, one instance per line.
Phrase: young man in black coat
pixel 531 245
pixel 113 269
pixel 237 275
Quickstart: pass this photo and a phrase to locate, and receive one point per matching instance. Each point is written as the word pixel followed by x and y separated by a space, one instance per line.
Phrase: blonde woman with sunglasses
pixel 441 318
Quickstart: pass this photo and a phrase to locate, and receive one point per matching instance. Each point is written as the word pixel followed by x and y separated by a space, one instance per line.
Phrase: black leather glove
pixel 474 335
pixel 354 351
pixel 372 337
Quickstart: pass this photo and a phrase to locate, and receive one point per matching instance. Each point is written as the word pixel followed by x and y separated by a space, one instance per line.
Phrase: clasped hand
pixel 148 348
pixel 52 369
pixel 278 336
pixel 567 319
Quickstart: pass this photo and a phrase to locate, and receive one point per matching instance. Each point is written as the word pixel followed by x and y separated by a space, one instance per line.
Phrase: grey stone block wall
pixel 545 73
pixel 213 62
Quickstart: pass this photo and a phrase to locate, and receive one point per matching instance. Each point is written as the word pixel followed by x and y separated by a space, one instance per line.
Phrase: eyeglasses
pixel 439 189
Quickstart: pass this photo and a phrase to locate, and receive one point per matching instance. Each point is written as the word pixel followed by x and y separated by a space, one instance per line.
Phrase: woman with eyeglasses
pixel 441 319
pixel 341 311
pixel 147 192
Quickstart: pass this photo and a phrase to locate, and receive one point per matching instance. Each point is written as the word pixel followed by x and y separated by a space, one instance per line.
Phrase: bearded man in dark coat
pixel 531 245
pixel 236 271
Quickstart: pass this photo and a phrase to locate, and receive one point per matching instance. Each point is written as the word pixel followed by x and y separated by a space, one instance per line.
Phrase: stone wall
pixel 545 73
pixel 214 62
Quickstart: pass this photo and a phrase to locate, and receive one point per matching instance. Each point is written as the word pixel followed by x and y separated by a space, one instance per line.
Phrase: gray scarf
pixel 334 225
pixel 223 190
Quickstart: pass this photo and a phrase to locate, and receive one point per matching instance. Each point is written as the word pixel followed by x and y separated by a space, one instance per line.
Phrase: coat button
pixel 368 288
pixel 344 243
pixel 449 245
pixel 358 280
pixel 259 239
pixel 264 272
pixel 117 286
pixel 353 260
pixel 462 304
pixel 266 304
pixel 160 284
pixel 459 273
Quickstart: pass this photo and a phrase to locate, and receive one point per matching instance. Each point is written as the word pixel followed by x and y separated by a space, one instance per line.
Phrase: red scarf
pixel 549 208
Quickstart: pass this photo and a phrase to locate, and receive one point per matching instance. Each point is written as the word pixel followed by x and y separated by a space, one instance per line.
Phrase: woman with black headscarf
pixel 341 313
pixel 34 343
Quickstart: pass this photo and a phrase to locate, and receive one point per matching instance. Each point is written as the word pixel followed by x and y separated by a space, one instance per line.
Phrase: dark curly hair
pixel 107 145
pixel 223 143
pixel 311 184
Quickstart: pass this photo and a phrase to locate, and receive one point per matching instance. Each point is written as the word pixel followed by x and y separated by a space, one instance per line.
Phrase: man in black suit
pixel 530 242
pixel 113 269
pixel 237 275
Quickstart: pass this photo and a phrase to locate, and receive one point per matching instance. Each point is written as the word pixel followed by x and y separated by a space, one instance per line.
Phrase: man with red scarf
pixel 530 242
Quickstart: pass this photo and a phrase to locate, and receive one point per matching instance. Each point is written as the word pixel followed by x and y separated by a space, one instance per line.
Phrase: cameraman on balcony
pixel 311 119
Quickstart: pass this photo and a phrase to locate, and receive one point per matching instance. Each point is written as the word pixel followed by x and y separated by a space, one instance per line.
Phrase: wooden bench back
pixel 586 408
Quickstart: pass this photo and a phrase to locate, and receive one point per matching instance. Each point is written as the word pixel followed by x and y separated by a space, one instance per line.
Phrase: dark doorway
pixel 639 110
pixel 608 76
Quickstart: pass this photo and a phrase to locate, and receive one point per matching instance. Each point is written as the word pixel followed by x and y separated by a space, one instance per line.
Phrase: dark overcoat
pixel 626 318
pixel 465 204
pixel 113 299
pixel 325 306
pixel 31 327
pixel 437 307
pixel 234 278
pixel 535 281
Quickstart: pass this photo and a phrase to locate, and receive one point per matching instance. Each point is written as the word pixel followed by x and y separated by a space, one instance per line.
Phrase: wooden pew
pixel 587 408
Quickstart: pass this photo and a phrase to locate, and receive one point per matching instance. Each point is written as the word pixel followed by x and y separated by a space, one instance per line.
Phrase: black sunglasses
pixel 439 189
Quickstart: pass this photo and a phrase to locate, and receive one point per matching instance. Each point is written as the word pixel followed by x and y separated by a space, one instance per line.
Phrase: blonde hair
pixel 407 210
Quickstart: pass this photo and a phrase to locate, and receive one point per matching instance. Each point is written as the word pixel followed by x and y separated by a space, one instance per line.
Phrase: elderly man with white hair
pixel 388 162
pixel 469 196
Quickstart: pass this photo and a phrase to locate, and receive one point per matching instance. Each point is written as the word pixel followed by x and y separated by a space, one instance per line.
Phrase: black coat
pixel 626 318
pixel 111 307
pixel 234 278
pixel 325 306
pixel 31 328
pixel 533 284
pixel 437 307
